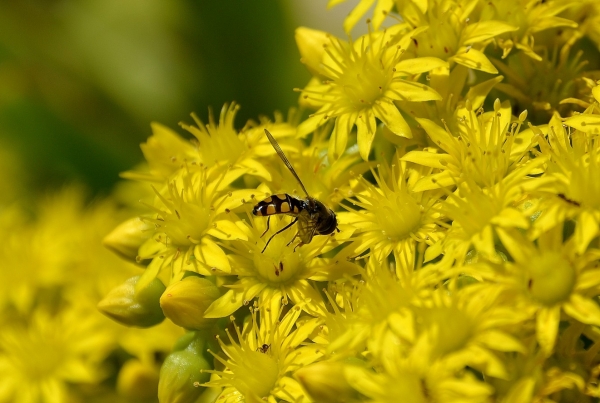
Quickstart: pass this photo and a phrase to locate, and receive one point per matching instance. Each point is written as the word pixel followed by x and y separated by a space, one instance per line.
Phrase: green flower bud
pixel 138 380
pixel 182 373
pixel 185 301
pixel 127 237
pixel 132 307
pixel 325 382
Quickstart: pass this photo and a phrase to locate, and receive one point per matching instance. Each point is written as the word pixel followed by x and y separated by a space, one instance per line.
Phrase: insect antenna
pixel 284 159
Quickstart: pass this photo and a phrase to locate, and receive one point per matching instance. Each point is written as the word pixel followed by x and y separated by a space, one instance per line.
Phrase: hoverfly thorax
pixel 312 216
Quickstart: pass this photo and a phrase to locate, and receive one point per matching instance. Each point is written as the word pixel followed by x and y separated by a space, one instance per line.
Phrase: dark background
pixel 80 81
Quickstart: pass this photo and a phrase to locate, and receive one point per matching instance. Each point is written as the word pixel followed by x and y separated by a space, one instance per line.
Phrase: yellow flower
pixel 572 173
pixel 55 250
pixel 392 217
pixel 477 213
pixel 380 304
pixel 191 214
pixel 221 144
pixel 39 360
pixel 466 327
pixel 363 79
pixel 550 277
pixel 485 147
pixel 382 8
pixel 455 34
pixel 280 273
pixel 415 378
pixel 260 359
pixel 587 13
pixel 552 82
pixel 530 16
pixel 215 144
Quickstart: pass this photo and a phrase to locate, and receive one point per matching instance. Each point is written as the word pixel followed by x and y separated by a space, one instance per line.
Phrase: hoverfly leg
pixel 336 228
pixel 279 232
pixel 268 221
pixel 293 239
pixel 299 244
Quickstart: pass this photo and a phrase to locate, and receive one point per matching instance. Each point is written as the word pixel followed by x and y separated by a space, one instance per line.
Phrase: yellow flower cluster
pixel 465 264
pixel 54 344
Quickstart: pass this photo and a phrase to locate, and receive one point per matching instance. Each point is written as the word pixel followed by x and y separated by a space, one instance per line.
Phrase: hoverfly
pixel 312 216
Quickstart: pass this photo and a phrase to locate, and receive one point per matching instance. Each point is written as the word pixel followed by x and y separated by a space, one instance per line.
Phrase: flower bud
pixel 182 373
pixel 132 307
pixel 138 380
pixel 185 301
pixel 325 382
pixel 127 237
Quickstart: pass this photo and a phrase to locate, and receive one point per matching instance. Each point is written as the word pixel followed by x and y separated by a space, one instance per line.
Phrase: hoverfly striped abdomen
pixel 278 204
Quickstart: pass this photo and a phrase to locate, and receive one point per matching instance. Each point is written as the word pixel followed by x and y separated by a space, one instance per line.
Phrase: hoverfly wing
pixel 306 227
pixel 286 162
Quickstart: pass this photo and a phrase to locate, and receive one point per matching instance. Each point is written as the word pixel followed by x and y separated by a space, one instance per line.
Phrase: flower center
pixel 366 76
pixel 278 264
pixel 398 215
pixel 551 278
pixel 190 221
pixel 453 328
pixel 440 42
pixel 257 375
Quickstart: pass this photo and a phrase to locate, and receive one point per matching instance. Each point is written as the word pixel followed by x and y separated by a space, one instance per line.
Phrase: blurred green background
pixel 80 81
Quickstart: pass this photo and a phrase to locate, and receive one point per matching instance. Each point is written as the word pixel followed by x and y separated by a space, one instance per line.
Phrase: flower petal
pixel 309 125
pixel 440 136
pixel 474 59
pixel 584 122
pixel 419 65
pixel 211 256
pixel 429 159
pixel 484 30
pixel 546 328
pixel 583 309
pixel 232 300
pixel 413 91
pixel 585 231
pixel 339 136
pixel 479 92
pixel 302 291
pixel 228 230
pixel 389 114
pixel 497 340
pixel 366 133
